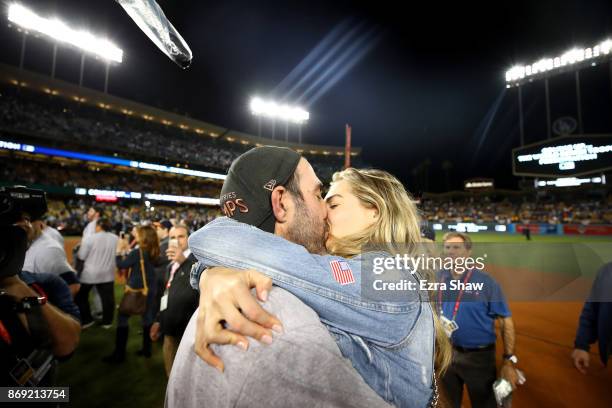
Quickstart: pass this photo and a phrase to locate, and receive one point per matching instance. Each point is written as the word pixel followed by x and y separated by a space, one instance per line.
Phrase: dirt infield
pixel 545 337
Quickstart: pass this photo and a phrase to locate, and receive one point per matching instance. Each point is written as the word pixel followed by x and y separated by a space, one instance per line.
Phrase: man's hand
pixel 581 360
pixel 174 254
pixel 225 296
pixel 155 332
pixel 508 372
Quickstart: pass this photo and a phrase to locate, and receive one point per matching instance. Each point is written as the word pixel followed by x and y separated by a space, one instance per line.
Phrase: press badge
pixel 449 325
pixel 163 305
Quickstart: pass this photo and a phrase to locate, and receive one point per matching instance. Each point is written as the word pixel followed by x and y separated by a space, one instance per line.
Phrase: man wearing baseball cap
pixel 248 195
pixel 276 190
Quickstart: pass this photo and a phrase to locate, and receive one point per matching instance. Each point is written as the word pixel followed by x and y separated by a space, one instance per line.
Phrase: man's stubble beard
pixel 306 230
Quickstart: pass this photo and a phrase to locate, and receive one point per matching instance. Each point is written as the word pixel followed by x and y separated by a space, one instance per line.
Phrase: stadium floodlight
pixel 273 110
pixel 59 31
pixel 571 57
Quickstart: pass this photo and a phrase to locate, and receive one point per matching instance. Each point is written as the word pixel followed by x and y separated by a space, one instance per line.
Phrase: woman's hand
pixel 225 296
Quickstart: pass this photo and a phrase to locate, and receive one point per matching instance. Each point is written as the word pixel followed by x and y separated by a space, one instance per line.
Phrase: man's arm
pixel 587 331
pixel 57 290
pixel 84 248
pixel 508 334
pixel 508 337
pixel 64 330
pixel 587 326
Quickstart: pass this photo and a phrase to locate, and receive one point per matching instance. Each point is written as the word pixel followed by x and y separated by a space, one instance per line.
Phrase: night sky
pixel 420 86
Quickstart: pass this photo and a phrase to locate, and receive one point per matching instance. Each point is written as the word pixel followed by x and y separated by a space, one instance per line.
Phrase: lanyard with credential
pixel 458 301
pixel 173 270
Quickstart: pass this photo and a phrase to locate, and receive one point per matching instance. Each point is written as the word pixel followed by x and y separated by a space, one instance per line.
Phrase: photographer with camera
pixel 34 334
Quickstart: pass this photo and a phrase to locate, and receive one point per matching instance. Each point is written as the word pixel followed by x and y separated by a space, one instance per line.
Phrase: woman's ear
pixel 279 207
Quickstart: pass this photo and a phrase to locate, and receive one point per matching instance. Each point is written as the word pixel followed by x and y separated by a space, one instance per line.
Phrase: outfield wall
pixel 535 229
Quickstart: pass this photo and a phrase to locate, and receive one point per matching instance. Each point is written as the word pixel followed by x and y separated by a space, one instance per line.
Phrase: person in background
pixel 98 252
pixel 148 248
pixel 93 214
pixel 179 299
pixel 51 294
pixel 595 324
pixel 469 318
pixel 51 232
pixel 46 255
pixel 162 228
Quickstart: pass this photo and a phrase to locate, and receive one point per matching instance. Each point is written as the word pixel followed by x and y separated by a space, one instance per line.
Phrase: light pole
pixel 61 33
pixel 521 122
pixel 23 47
pixel 572 60
pixel 54 60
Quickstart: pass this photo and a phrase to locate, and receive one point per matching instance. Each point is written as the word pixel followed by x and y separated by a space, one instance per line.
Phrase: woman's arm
pixel 128 261
pixel 337 299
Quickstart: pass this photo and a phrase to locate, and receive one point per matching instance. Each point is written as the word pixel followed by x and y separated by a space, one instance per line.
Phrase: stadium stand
pixel 37 108
pixel 525 209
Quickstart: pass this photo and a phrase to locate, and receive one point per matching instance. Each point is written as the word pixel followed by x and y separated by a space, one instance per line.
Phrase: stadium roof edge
pixel 43 83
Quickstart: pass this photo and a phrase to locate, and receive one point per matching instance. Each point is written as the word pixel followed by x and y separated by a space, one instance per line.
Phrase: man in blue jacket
pixel 595 322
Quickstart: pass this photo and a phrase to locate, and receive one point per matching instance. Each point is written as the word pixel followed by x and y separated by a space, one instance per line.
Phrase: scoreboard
pixel 564 156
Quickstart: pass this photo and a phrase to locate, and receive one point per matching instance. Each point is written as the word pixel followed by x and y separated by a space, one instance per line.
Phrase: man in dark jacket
pixel 179 299
pixel 162 228
pixel 595 322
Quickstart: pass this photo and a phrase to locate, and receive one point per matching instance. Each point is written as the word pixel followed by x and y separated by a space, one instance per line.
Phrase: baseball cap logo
pixel 270 185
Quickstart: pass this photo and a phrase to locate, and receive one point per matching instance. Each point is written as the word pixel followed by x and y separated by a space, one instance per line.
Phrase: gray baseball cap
pixel 246 192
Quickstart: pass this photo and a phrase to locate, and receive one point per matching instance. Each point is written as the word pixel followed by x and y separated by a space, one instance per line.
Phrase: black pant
pixel 475 369
pixel 107 295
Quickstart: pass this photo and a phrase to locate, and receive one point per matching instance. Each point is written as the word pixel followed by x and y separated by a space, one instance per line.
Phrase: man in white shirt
pixel 50 231
pixel 46 255
pixel 98 253
pixel 93 215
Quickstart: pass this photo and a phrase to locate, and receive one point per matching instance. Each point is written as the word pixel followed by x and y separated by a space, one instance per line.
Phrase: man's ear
pixel 279 198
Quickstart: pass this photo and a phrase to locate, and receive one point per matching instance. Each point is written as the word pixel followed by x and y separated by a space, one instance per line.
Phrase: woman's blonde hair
pixel 397 228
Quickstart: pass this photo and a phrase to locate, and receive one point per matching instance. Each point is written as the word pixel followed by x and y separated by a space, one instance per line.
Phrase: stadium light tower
pixel 275 111
pixel 57 30
pixel 572 60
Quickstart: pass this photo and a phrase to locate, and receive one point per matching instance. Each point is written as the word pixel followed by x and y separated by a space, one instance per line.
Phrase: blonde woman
pixel 390 342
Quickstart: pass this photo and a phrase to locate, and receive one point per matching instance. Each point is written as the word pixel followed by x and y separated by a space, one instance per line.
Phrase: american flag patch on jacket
pixel 342 272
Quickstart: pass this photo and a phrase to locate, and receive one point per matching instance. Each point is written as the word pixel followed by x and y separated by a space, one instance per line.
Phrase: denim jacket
pixel 390 343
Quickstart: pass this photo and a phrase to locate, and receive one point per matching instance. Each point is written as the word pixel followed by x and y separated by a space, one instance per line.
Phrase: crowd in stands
pixel 435 210
pixel 70 216
pixel 484 210
pixel 15 171
pixel 56 118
